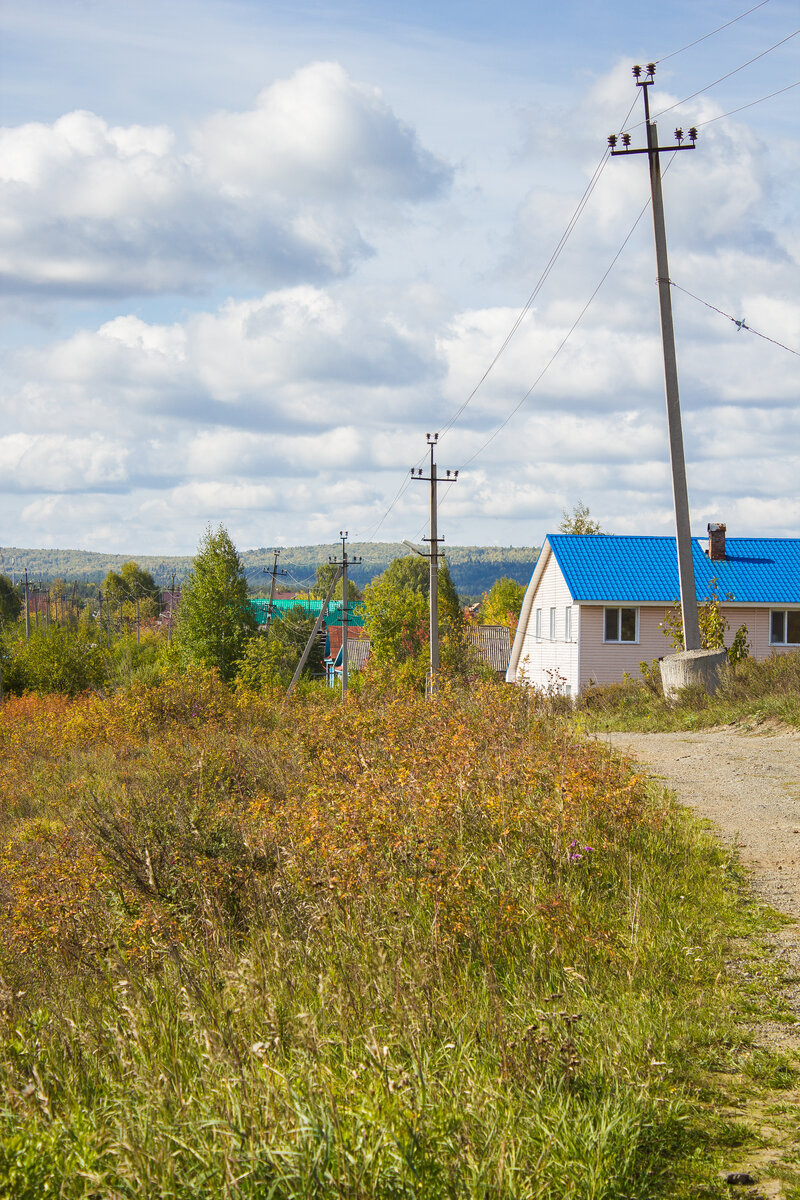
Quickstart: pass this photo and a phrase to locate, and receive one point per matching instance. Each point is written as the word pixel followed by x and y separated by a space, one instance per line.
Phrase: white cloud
pixel 347 318
pixel 31 463
pixel 317 135
pixel 278 194
pixel 292 360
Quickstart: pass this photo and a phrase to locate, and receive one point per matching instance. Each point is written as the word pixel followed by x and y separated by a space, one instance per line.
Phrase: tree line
pixel 111 635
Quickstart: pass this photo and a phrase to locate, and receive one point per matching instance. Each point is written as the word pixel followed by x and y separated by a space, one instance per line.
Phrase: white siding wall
pixel 606 662
pixel 545 663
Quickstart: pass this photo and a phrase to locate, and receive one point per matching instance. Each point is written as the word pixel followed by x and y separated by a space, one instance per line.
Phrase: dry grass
pixel 252 949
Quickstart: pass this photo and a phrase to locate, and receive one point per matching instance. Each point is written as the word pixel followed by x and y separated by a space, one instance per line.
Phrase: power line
pixel 539 285
pixel 566 337
pixel 719 29
pixel 578 211
pixel 740 324
pixel 722 78
pixel 518 321
pixel 742 107
pixel 400 491
pixel 562 344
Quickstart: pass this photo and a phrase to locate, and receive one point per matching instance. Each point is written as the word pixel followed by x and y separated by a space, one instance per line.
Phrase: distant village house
pixel 595 606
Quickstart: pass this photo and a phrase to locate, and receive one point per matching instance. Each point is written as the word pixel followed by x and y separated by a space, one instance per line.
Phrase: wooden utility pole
pixel 343 563
pixel 433 558
pixel 27 609
pixel 171 607
pixel 275 573
pixel 683 531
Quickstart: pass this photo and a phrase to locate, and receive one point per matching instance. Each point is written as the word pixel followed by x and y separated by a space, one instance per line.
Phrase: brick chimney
pixel 716 542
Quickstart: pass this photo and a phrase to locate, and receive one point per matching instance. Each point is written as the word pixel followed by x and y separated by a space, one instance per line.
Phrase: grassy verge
pixel 410 949
pixel 750 693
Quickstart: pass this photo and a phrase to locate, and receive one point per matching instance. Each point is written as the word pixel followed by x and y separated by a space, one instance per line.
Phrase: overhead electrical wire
pixel 562 343
pixel 565 237
pixel 722 78
pixel 740 324
pixel 598 171
pixel 719 29
pixel 577 212
pixel 750 104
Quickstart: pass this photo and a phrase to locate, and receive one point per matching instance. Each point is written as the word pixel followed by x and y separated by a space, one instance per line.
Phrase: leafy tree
pixel 265 663
pixel 502 604
pixel 271 660
pixel 579 520
pixel 215 619
pixel 10 602
pixel 325 574
pixel 129 584
pixel 397 618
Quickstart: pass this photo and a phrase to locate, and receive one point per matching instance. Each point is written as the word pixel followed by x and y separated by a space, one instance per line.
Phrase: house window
pixel 784 627
pixel 568 623
pixel 552 624
pixel 621 625
pixel 538 622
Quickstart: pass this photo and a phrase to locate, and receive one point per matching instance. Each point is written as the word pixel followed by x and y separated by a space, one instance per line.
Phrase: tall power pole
pixel 433 556
pixel 275 572
pixel 343 563
pixel 683 531
pixel 27 608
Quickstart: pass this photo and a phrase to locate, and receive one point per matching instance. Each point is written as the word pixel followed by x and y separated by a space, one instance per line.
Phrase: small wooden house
pixel 596 603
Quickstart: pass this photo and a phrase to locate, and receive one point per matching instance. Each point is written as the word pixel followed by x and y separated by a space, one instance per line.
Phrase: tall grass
pixel 749 692
pixel 406 949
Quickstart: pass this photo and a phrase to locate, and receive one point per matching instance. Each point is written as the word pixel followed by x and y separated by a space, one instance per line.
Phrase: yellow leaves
pixel 391 800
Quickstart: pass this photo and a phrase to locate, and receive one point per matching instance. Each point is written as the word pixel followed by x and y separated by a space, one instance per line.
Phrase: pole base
pixel 691 668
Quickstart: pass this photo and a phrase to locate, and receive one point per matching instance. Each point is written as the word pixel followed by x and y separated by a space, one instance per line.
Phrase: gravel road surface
pixel 748 786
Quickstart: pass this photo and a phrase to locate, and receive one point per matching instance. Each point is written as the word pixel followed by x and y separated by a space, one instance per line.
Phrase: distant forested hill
pixel 474 568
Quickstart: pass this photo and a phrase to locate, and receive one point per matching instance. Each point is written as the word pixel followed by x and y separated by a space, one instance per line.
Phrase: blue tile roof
pixel 608 568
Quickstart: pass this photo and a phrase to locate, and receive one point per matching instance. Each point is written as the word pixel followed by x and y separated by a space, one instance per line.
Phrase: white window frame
pixel 568 623
pixel 552 624
pixel 618 608
pixel 784 612
pixel 538 625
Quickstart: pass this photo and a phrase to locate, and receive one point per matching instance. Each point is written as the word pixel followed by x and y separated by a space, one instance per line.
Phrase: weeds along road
pixel 748 786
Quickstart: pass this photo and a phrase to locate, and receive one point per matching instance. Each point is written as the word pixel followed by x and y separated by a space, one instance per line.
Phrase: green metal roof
pixel 311 608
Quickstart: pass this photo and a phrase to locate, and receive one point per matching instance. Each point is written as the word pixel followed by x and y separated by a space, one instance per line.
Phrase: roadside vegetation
pixel 253 946
pixel 407 948
pixel 750 694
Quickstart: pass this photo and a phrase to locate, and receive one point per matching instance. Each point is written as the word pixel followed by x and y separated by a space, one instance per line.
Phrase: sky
pixel 252 253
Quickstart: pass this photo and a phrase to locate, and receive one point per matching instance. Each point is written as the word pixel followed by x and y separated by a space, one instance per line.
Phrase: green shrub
pixel 57 659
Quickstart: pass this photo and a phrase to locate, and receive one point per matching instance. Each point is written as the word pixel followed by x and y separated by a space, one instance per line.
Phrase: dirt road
pixel 748 786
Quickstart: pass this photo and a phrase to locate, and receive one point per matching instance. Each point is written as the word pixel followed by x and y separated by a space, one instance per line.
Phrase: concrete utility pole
pixel 313 634
pixel 27 609
pixel 171 607
pixel 691 626
pixel 433 557
pixel 344 563
pixel 275 573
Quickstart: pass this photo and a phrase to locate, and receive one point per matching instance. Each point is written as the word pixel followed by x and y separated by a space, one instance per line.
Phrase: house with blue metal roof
pixel 596 604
